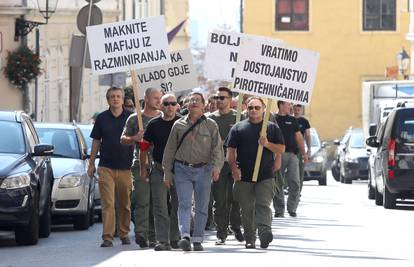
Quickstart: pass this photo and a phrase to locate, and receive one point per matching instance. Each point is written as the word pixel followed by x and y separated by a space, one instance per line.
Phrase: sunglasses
pixel 254 107
pixel 195 100
pixel 220 97
pixel 166 104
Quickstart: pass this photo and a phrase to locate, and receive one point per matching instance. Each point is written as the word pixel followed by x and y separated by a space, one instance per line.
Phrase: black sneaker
pixel 292 214
pixel 265 239
pixel 162 246
pixel 279 215
pixel 141 241
pixel 125 241
pixel 185 244
pixel 239 235
pixel 152 244
pixel 107 244
pixel 250 245
pixel 220 241
pixel 197 246
pixel 174 244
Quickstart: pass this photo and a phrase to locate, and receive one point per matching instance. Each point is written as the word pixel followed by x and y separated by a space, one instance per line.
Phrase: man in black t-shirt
pixel 290 162
pixel 304 128
pixel 114 166
pixel 156 134
pixel 254 198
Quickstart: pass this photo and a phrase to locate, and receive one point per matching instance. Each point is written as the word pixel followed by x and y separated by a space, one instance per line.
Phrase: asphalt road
pixel 336 226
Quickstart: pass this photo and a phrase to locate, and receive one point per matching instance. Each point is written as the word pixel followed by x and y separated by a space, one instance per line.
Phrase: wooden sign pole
pixel 135 88
pixel 263 132
pixel 239 107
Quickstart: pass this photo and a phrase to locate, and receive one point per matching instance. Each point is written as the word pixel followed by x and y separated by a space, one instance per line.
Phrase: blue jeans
pixel 188 180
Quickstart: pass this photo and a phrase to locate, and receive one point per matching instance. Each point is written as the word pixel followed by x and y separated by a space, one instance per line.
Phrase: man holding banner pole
pixel 254 198
pixel 144 230
pixel 225 208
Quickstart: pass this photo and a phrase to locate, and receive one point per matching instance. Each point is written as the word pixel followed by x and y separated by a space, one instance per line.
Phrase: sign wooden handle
pixel 260 148
pixel 135 88
pixel 239 107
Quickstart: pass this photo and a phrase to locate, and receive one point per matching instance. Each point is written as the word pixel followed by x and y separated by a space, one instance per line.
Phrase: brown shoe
pixel 125 241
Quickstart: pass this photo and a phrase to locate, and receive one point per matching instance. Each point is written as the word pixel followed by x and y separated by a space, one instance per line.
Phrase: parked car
pixel 73 190
pixel 335 165
pixel 394 164
pixel 26 179
pixel 315 169
pixel 354 161
pixel 86 130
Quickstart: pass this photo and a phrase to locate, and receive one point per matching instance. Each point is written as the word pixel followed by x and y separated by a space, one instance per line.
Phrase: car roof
pixel 48 125
pixel 85 126
pixel 11 116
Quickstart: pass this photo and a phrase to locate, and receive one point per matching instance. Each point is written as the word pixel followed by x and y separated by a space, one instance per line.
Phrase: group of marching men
pixel 185 153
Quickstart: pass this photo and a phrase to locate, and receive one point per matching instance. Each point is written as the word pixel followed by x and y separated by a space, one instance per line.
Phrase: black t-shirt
pixel 157 133
pixel 108 129
pixel 289 126
pixel 244 137
pixel 303 125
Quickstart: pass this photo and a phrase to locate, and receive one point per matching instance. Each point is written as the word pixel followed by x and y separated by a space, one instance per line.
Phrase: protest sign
pixel 121 46
pixel 178 76
pixel 267 68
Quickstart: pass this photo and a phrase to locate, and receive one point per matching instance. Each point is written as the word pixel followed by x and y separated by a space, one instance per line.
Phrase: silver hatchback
pixel 73 190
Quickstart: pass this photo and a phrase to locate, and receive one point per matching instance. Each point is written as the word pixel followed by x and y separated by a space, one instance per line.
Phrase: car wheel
pixel 341 178
pixel 335 172
pixel 389 199
pixel 378 197
pixel 81 222
pixel 322 180
pixel 371 190
pixel 46 220
pixel 29 234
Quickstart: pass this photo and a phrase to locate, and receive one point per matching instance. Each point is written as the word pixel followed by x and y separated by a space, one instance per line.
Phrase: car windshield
pixel 86 133
pixel 11 138
pixel 314 139
pixel 64 141
pixel 356 140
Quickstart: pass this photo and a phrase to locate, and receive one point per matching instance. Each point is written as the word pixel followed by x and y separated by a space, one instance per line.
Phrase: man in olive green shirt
pixel 225 208
pixel 197 161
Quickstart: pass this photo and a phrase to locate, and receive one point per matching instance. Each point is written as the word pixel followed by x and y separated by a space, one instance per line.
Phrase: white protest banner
pixel 120 46
pixel 178 76
pixel 222 52
pixel 270 69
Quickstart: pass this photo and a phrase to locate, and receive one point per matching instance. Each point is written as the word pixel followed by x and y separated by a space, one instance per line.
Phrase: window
pixel 292 15
pixel 379 15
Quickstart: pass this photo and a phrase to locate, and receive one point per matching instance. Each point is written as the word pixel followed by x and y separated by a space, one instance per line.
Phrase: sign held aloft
pixel 267 68
pixel 178 76
pixel 120 46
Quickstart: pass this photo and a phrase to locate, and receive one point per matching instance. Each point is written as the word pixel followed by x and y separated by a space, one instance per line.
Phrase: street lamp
pixel 24 27
pixel 403 60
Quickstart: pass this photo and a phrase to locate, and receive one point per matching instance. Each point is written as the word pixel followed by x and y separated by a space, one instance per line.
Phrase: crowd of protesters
pixel 191 166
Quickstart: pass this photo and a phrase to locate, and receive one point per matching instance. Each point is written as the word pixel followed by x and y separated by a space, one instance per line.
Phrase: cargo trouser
pixel 255 200
pixel 144 219
pixel 225 208
pixel 111 181
pixel 301 171
pixel 166 229
pixel 290 172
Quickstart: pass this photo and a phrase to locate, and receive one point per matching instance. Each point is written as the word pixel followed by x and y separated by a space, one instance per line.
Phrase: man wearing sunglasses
pixel 143 219
pixel 225 208
pixel 197 160
pixel 156 134
pixel 254 198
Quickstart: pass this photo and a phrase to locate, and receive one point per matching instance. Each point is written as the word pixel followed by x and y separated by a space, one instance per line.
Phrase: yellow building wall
pixel 348 55
pixel 175 12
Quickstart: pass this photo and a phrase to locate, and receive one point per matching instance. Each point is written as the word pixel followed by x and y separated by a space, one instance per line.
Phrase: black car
pixel 26 179
pixel 394 163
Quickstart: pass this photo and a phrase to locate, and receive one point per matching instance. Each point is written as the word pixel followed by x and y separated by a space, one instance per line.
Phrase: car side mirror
pixel 42 150
pixel 372 141
pixel 337 142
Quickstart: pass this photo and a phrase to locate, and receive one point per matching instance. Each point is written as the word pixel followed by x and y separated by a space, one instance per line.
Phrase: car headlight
pixel 16 181
pixel 350 159
pixel 70 180
pixel 318 159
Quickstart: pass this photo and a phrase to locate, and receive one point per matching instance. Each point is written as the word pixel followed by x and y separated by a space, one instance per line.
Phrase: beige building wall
pixel 175 12
pixel 348 55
